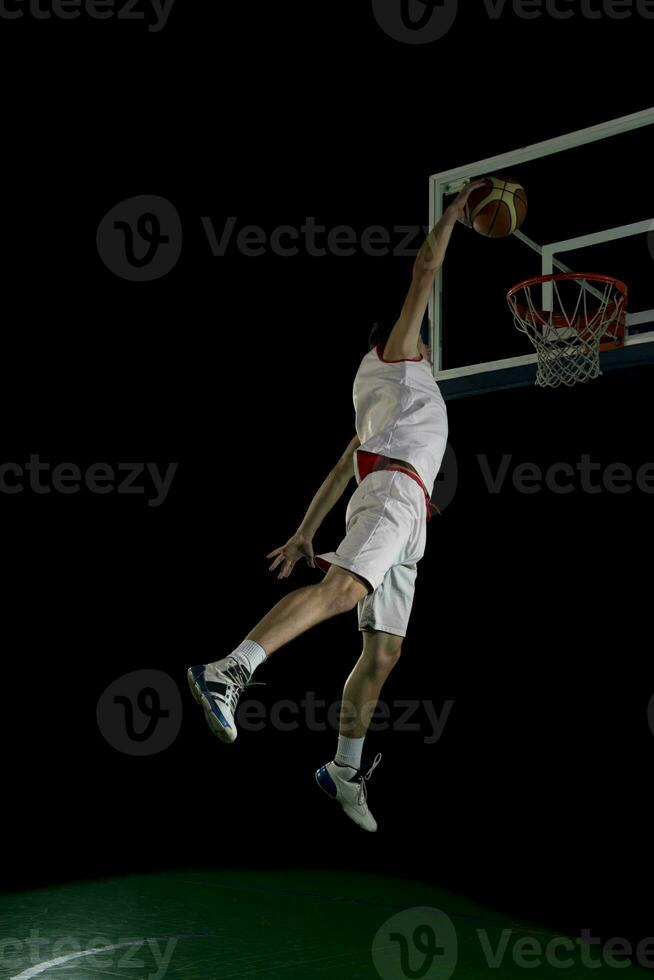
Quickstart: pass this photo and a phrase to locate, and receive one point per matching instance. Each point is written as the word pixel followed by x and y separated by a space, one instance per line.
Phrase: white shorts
pixel 386 532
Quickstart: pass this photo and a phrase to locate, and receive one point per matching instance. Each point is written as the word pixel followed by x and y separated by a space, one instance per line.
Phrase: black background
pixel 532 612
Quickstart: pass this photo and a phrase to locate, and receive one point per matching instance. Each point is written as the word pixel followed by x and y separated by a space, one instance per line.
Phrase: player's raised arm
pixel 403 339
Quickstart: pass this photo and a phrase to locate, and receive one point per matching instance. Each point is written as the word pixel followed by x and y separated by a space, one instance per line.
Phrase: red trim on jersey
pixel 380 354
pixel 369 462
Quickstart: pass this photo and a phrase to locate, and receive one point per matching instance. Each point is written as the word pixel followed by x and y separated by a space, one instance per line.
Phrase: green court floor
pixel 279 925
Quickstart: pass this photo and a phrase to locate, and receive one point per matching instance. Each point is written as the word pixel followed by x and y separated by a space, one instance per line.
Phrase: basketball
pixel 498 209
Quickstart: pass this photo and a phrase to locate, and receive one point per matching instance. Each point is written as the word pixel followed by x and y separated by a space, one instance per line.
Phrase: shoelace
pixel 240 680
pixel 363 792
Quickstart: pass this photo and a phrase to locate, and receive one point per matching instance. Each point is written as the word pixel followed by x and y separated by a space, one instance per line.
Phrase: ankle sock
pixel 349 751
pixel 250 655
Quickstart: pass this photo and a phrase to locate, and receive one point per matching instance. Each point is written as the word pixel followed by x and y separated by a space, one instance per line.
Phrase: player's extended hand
pixel 457 210
pixel 289 554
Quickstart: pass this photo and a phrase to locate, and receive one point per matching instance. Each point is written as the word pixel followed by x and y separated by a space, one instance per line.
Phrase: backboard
pixel 590 210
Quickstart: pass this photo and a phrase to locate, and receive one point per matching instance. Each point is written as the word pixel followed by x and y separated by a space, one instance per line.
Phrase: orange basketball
pixel 498 209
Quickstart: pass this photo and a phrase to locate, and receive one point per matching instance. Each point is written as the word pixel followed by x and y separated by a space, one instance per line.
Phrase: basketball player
pixel 401 426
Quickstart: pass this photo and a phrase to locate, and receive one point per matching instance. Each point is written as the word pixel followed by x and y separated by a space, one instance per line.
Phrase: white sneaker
pixel 217 689
pixel 348 787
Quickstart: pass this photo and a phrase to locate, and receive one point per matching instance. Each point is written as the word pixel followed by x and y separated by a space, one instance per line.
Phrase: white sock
pixel 250 655
pixel 349 751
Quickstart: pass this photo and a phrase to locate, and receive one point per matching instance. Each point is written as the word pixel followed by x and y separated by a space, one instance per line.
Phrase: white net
pixel 583 314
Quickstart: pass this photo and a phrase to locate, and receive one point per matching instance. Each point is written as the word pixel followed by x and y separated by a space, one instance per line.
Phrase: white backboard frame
pixel 513 371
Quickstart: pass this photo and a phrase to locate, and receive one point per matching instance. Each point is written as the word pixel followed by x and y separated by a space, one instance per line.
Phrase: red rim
pixel 562 276
pixel 609 341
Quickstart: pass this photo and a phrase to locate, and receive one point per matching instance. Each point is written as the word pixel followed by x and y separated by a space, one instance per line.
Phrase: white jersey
pixel 401 413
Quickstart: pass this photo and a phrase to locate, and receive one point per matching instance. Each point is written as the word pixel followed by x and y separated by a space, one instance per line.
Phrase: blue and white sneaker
pixel 348 787
pixel 217 688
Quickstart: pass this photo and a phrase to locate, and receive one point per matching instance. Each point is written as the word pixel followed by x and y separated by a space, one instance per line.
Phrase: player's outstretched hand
pixel 457 210
pixel 289 554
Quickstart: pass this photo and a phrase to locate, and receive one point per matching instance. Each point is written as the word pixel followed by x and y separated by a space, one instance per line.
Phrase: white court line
pixel 34 971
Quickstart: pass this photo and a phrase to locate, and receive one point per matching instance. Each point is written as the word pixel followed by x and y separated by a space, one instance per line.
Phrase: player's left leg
pixel 343 779
pixel 218 686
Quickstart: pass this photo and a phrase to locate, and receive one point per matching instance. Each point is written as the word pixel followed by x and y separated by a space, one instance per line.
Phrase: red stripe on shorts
pixel 371 462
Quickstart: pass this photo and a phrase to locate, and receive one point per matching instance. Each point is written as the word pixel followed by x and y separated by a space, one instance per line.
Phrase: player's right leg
pixel 218 686
pixel 389 557
pixel 344 779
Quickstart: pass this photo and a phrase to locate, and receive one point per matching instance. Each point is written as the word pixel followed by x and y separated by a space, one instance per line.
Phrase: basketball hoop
pixel 581 314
